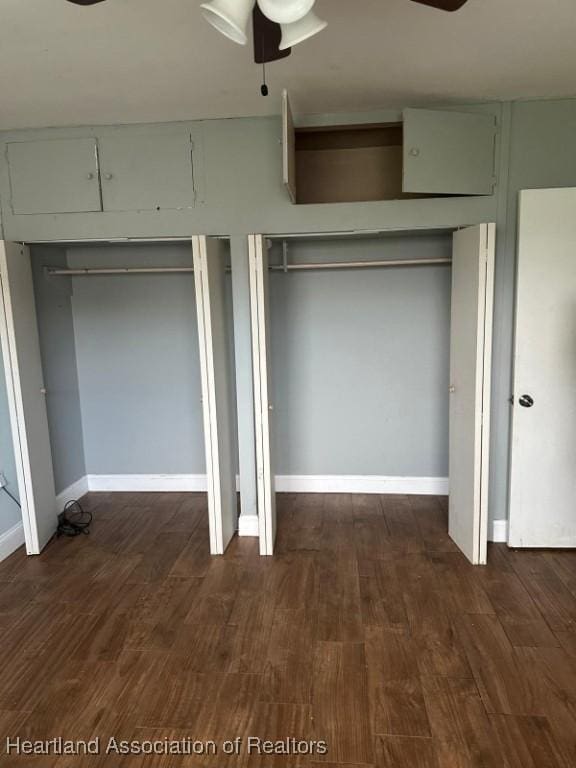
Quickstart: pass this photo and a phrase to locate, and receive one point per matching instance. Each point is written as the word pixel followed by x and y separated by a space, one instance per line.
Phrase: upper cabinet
pixel 429 153
pixel 448 153
pixel 146 172
pixel 123 170
pixel 54 176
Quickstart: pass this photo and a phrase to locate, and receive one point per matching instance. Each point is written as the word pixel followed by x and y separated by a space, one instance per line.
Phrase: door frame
pixel 17 414
pixel 262 434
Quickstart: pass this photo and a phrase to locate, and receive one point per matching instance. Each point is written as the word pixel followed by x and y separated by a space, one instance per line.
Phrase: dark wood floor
pixel 368 630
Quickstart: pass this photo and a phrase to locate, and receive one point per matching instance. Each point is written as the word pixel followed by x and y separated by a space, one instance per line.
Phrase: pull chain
pixel 264 88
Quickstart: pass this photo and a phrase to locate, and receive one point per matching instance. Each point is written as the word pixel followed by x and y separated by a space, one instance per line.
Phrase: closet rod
pixel 56 272
pixel 360 264
pixel 95 271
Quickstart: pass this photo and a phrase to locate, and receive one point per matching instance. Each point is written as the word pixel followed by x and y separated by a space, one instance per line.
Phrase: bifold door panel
pixel 26 396
pixel 470 370
pixel 543 457
pixel 216 374
pixel 263 408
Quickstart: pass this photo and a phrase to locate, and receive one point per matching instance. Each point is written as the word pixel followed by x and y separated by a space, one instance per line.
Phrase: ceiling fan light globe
pixel 230 17
pixel 285 11
pixel 301 30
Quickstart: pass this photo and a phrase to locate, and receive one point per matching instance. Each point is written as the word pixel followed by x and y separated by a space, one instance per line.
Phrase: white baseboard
pixel 498 532
pixel 248 525
pixel 147 483
pixel 425 486
pixel 74 491
pixel 11 540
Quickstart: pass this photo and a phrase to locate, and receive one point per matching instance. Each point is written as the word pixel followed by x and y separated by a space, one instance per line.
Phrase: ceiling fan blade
pixel 267 38
pixel 443 5
pixel 85 2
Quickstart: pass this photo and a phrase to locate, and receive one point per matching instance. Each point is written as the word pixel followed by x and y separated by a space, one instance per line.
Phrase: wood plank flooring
pixel 367 630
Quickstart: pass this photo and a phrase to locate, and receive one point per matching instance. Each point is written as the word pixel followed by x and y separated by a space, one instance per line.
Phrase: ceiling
pixel 127 61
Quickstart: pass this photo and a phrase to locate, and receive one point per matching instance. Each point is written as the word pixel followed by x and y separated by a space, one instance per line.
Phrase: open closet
pixel 371 357
pixel 119 369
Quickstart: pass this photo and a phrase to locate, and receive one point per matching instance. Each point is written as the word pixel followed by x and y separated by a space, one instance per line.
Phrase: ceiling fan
pixel 278 24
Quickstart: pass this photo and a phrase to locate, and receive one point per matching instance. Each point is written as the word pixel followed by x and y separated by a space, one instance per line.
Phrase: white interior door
pixel 470 369
pixel 543 455
pixel 260 309
pixel 26 396
pixel 210 259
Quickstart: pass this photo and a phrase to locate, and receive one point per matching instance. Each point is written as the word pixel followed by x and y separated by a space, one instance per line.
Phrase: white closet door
pixel 260 309
pixel 26 396
pixel 470 368
pixel 543 456
pixel 210 258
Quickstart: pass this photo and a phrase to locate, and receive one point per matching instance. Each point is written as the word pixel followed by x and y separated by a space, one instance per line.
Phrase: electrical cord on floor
pixel 74 521
pixel 14 499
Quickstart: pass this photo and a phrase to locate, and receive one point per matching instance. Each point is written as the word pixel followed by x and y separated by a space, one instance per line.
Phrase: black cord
pixel 74 521
pixel 14 499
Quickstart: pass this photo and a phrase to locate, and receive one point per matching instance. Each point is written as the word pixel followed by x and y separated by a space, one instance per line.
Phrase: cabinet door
pixel 146 172
pixel 448 153
pixel 288 147
pixel 54 176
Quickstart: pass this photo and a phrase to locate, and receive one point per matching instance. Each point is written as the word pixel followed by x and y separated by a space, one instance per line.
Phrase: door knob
pixel 526 401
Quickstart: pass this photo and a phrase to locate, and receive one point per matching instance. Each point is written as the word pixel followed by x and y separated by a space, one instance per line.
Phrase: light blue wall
pixel 138 363
pixel 57 347
pixel 9 511
pixel 361 360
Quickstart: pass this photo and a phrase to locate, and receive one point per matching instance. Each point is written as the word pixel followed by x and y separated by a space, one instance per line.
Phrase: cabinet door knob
pixel 414 151
pixel 451 389
pixel 90 176
pixel 108 176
